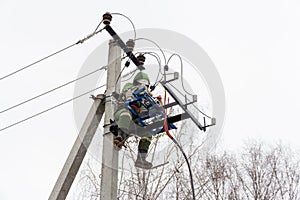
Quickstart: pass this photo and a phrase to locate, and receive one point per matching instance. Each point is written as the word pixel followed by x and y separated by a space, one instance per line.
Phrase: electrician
pixel 125 121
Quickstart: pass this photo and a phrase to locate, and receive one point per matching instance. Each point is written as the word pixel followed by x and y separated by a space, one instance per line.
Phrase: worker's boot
pixel 141 160
pixel 120 139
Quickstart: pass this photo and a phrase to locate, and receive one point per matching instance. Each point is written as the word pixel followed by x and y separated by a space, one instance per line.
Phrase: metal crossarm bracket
pixel 183 106
pixel 170 120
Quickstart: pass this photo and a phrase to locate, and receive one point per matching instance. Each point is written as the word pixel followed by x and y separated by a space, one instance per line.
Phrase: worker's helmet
pixel 126 87
pixel 141 78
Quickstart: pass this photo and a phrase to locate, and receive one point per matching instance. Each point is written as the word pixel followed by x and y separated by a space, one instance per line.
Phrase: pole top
pixel 112 42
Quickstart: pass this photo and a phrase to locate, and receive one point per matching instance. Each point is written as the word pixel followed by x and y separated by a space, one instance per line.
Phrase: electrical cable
pixel 132 74
pixel 52 90
pixel 190 101
pixel 44 58
pixel 178 91
pixel 159 66
pixel 181 66
pixel 155 45
pixel 126 65
pixel 98 26
pixel 51 108
pixel 189 167
pixel 201 112
pixel 57 52
pixel 134 30
pixel 154 54
pixel 120 75
pixel 166 129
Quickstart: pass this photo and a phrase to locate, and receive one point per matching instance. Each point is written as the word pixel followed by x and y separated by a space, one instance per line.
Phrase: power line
pixel 190 101
pixel 160 49
pixel 57 52
pixel 40 60
pixel 181 67
pixel 51 108
pixel 131 73
pixel 52 90
pixel 166 129
pixel 134 30
pixel 98 26
pixel 126 65
pixel 189 166
pixel 156 56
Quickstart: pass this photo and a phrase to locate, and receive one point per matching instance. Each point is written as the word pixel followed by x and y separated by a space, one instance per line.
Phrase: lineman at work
pixel 126 122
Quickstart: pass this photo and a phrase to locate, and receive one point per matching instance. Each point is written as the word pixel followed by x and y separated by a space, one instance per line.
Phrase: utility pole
pixel 78 151
pixel 109 179
pixel 109 171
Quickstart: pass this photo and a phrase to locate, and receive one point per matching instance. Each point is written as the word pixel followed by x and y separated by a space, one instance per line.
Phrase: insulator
pixel 141 58
pixel 127 63
pixel 166 67
pixel 130 44
pixel 107 18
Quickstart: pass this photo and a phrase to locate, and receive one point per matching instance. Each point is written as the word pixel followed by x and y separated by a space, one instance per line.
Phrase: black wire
pixel 155 45
pixel 132 73
pixel 181 66
pixel 134 30
pixel 189 167
pixel 154 54
pixel 158 60
pixel 120 75
pixel 122 71
pixel 190 101
pixel 56 88
pixel 51 108
pixel 178 90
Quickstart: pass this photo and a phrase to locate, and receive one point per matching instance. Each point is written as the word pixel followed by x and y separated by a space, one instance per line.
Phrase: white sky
pixel 255 46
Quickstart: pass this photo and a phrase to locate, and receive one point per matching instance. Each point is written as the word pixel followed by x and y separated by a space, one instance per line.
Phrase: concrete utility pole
pixel 109 155
pixel 79 149
pixel 109 171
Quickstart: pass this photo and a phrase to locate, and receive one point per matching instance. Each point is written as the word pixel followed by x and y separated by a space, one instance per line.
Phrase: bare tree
pixel 268 173
pixel 260 172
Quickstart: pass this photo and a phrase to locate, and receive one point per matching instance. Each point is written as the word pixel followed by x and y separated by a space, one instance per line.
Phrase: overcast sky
pixel 255 46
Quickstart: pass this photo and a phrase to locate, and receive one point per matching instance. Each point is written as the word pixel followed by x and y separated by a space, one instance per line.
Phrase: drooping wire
pixel 190 101
pixel 120 75
pixel 51 108
pixel 201 112
pixel 178 91
pixel 174 54
pixel 166 129
pixel 156 56
pixel 160 49
pixel 181 67
pixel 52 90
pixel 126 65
pixel 189 167
pixel 53 54
pixel 134 30
pixel 132 73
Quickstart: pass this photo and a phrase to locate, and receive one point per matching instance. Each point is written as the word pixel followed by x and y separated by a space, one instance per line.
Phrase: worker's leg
pixel 124 119
pixel 143 148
